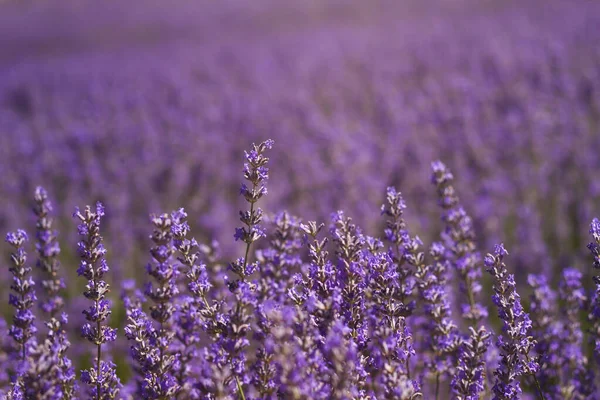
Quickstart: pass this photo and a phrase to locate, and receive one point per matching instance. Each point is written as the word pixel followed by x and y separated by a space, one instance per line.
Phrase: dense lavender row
pixel 306 313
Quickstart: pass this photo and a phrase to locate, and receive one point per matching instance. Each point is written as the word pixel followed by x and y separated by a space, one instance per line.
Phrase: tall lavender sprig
pixel 257 174
pixel 459 237
pixel 405 258
pixel 102 380
pixel 546 328
pixel 140 331
pixel 397 235
pixel 390 346
pixel 160 380
pixel 469 379
pixel 577 377
pixel 23 328
pixel 444 340
pixel 48 249
pixel 196 313
pixel 349 242
pixel 192 307
pixel 198 283
pixel 16 391
pixel 320 287
pixel 595 307
pixel 280 258
pixel 516 343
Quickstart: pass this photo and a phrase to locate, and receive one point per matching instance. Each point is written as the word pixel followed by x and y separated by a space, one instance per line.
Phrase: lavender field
pixel 300 200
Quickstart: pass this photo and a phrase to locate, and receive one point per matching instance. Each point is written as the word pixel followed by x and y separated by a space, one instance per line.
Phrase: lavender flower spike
pixel 23 328
pixel 468 382
pixel 255 172
pixel 16 392
pixel 60 378
pixel 459 238
pixel 515 343
pixel 48 249
pixel 595 314
pixel 160 381
pixel 102 380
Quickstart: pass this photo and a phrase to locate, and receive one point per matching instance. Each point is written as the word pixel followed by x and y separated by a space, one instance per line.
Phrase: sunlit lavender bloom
pixel 546 328
pixel 320 290
pixel 444 340
pixel 280 258
pixel 595 313
pixel 257 174
pixel 244 291
pixel 459 238
pixel 469 380
pixel 390 347
pixel 342 355
pixel 402 250
pixel 23 328
pixel 48 249
pixel 515 344
pixel 16 392
pixel 102 380
pixel 351 273
pixel 188 317
pixel 159 381
pixel 577 378
pixel 62 375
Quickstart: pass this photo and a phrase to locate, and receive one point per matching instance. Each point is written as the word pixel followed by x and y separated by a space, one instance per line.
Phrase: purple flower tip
pixel 499 250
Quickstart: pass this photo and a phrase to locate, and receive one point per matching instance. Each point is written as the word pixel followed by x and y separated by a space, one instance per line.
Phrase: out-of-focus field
pixel 147 106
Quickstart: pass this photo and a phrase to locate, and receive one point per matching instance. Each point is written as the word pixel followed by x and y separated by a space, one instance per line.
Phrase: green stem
pixel 248 244
pixel 98 368
pixel 239 387
pixel 536 382
pixel 237 381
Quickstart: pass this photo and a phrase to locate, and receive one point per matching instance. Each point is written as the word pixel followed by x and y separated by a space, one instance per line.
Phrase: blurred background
pixel 148 106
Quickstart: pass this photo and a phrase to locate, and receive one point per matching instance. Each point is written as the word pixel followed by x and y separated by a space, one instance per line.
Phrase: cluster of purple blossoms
pixel 516 343
pixel 306 313
pixel 459 239
pixel 595 309
pixel 23 328
pixel 153 335
pixel 101 379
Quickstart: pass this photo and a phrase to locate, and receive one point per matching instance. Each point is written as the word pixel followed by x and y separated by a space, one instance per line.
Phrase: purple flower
pixel 516 343
pixel 577 378
pixel 48 249
pixel 469 379
pixel 594 248
pixel 443 338
pixel 152 345
pixel 23 328
pixel 546 328
pixel 459 239
pixel 102 380
pixel 256 173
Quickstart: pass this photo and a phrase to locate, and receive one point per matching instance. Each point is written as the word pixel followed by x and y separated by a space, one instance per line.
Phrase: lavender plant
pixel 160 381
pixel 595 307
pixel 469 381
pixel 516 343
pixel 101 379
pixel 52 366
pixel 459 237
pixel 23 329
